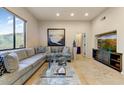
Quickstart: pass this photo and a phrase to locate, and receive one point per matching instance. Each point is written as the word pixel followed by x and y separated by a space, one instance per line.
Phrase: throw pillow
pixel 41 50
pixel 65 50
pixel 2 67
pixel 21 54
pixel 11 62
pixel 30 52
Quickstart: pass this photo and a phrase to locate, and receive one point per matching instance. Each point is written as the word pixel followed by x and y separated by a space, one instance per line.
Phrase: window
pixel 6 30
pixel 19 33
pixel 12 30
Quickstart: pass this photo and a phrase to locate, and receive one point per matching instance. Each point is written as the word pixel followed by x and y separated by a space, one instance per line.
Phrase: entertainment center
pixel 110 59
pixel 106 50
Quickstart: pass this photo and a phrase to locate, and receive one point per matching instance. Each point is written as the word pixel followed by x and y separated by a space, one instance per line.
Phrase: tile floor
pixel 89 71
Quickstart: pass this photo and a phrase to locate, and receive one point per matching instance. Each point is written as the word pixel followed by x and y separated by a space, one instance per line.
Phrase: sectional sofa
pixel 29 62
pixel 22 63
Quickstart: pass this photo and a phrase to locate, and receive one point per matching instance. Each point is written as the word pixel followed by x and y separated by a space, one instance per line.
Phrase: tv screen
pixel 107 42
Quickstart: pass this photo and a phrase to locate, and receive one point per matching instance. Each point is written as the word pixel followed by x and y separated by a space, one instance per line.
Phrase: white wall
pixel 72 28
pixel 114 21
pixel 32 28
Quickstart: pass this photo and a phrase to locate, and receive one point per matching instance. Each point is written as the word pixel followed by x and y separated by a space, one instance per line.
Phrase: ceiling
pixel 49 13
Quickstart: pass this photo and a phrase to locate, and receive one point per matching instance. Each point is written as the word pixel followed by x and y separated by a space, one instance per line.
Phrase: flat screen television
pixel 107 41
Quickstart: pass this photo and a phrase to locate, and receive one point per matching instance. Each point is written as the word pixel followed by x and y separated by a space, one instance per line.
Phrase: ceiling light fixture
pixel 86 14
pixel 72 14
pixel 57 14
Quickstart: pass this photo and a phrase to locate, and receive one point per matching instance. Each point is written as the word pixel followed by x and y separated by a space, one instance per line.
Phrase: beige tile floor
pixel 89 71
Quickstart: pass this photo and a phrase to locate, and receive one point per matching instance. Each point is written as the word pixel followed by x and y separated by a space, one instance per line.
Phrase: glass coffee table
pixel 53 76
pixel 57 69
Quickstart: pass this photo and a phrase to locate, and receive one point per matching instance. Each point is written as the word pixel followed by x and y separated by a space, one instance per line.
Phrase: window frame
pixel 14 32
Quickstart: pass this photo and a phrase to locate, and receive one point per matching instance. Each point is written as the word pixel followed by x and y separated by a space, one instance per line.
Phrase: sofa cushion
pixel 56 49
pixel 30 52
pixel 34 59
pixel 11 62
pixel 21 54
pixel 42 57
pixel 48 50
pixel 60 49
pixel 10 78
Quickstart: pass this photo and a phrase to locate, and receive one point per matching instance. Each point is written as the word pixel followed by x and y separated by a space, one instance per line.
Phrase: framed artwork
pixel 56 36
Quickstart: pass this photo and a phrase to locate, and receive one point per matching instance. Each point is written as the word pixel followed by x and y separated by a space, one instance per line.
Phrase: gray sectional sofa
pixel 22 63
pixel 29 62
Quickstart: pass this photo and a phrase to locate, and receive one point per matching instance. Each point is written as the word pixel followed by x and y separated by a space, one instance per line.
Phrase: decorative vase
pixel 74 43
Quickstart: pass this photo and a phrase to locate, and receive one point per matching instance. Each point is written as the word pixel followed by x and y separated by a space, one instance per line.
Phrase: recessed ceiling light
pixel 86 14
pixel 57 14
pixel 72 14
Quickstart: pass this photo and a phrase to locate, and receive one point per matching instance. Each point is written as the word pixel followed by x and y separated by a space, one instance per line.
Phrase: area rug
pixel 70 79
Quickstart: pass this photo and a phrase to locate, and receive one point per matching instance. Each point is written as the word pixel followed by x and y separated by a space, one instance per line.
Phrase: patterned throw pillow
pixel 41 50
pixel 2 67
pixel 11 62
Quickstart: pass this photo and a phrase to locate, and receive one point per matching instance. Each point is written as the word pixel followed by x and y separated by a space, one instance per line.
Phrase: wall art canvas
pixel 56 37
pixel 108 42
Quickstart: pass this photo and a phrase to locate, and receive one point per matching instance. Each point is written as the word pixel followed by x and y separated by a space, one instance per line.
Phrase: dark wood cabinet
pixel 116 61
pixel 95 54
pixel 111 59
